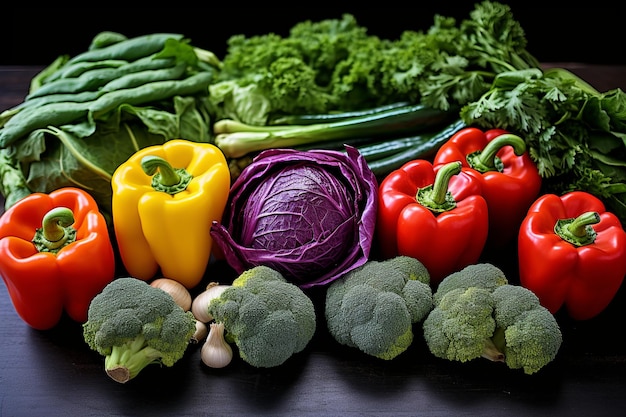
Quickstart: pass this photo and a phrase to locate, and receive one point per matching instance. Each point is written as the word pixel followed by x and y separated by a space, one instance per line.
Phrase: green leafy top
pixel 342 67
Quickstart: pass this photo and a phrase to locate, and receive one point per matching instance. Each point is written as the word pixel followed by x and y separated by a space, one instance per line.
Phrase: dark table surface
pixel 53 373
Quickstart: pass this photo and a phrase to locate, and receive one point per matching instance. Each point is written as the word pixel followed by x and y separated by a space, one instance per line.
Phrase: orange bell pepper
pixel 55 255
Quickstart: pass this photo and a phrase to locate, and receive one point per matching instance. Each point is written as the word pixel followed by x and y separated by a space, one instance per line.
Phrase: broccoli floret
pixel 483 275
pixel 461 325
pixel 477 313
pixel 528 334
pixel 373 308
pixel 133 325
pixel 267 317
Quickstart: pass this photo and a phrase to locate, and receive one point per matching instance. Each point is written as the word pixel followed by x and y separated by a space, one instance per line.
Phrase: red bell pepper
pixel 55 255
pixel 434 214
pixel 510 179
pixel 572 253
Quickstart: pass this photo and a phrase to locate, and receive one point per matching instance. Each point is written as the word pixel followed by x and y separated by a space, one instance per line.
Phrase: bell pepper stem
pixel 486 160
pixel 56 230
pixel 578 231
pixel 166 178
pixel 436 197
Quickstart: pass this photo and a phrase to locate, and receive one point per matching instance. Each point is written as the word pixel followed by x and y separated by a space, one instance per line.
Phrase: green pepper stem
pixel 578 231
pixel 486 160
pixel 56 230
pixel 152 163
pixel 166 178
pixel 436 197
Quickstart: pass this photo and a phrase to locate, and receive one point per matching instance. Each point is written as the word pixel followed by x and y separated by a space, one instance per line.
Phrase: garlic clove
pixel 177 290
pixel 200 304
pixel 201 332
pixel 216 352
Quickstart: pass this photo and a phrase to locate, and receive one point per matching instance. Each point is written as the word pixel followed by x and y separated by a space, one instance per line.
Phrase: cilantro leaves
pixel 575 134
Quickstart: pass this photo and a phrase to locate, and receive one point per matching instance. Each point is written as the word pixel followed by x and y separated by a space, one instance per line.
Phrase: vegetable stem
pixel 436 197
pixel 486 160
pixel 491 352
pixel 56 231
pixel 208 57
pixel 167 179
pixel 565 74
pixel 578 231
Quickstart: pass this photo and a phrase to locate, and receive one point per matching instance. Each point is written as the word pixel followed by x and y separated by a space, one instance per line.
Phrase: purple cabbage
pixel 308 214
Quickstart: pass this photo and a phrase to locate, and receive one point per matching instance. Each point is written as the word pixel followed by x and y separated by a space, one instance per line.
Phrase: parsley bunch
pixel 575 134
pixel 335 65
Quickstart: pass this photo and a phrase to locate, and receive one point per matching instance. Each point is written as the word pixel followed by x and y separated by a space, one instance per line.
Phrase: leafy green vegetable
pixel 86 134
pixel 575 134
pixel 12 183
pixel 80 156
pixel 335 64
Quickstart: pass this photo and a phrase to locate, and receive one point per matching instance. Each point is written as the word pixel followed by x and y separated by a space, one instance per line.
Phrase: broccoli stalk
pixel 133 325
pixel 477 313
pixel 128 359
pixel 491 350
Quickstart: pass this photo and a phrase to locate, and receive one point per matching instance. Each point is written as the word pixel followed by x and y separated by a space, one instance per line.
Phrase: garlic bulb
pixel 216 352
pixel 200 304
pixel 201 332
pixel 177 290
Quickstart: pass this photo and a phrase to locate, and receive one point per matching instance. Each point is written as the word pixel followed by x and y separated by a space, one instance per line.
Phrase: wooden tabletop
pixel 53 373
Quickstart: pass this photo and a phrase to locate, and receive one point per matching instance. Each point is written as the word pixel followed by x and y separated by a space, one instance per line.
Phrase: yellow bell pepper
pixel 165 198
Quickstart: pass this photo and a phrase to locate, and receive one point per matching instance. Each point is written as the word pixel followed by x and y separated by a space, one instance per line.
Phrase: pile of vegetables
pixel 478 69
pixel 377 169
pixel 573 133
pixel 335 67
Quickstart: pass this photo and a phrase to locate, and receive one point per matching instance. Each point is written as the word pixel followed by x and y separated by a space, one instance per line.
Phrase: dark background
pixel 556 32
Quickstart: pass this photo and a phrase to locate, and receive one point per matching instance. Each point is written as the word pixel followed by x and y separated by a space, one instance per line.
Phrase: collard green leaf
pixel 86 155
pixel 90 162
pixel 12 182
pixel 80 149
